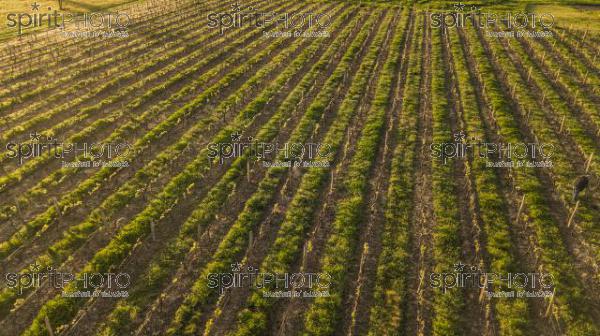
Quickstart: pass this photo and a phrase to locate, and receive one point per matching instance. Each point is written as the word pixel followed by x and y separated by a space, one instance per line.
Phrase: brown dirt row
pixel 418 314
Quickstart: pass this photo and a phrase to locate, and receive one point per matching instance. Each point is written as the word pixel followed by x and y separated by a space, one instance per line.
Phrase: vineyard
pixel 146 185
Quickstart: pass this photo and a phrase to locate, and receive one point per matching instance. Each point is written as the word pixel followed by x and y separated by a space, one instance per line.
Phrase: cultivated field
pixel 380 91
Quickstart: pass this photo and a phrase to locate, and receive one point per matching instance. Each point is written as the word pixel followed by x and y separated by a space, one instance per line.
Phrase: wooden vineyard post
pixel 57 207
pixel 152 230
pixel 551 303
pixel 116 223
pixel 483 289
pixel 248 170
pixel 543 97
pixel 421 278
pixel 48 325
pixel 573 214
pixel 589 163
pixel 520 208
pixel 562 124
pixel 331 183
pixel 304 251
pixel 19 213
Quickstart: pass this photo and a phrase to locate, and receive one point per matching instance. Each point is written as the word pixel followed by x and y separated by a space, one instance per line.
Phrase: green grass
pixel 577 17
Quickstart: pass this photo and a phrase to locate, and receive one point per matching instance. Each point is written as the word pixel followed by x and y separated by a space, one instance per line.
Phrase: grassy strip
pixel 446 234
